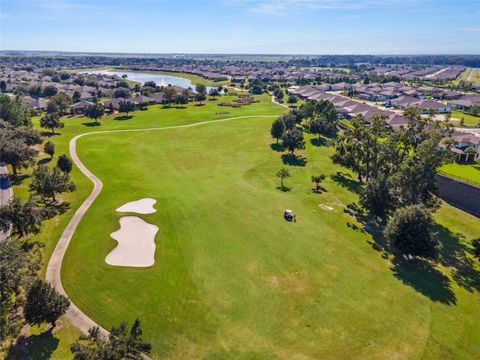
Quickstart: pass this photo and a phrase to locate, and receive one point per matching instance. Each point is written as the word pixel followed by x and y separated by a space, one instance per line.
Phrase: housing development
pixel 239 180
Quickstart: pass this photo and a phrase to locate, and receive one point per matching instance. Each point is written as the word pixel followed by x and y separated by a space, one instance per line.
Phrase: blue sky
pixel 243 26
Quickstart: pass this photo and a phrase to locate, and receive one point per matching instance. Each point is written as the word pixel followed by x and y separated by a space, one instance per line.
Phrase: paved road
pixel 53 275
pixel 6 193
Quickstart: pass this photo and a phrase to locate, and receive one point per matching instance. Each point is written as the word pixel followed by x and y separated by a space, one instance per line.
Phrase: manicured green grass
pixel 469 120
pixel 469 173
pixel 155 116
pixel 232 279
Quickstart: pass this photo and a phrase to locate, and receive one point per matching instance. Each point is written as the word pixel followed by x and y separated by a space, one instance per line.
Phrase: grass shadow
pixel 294 160
pixel 17 179
pixel 318 141
pixel 49 134
pixel 44 161
pixel 425 279
pixel 91 124
pixel 42 346
pixel 35 347
pixel 123 117
pixel 454 253
pixel 345 180
pixel 277 147
pixel 52 209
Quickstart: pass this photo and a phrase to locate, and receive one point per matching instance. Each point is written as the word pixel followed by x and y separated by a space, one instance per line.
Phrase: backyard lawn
pixel 469 120
pixel 469 173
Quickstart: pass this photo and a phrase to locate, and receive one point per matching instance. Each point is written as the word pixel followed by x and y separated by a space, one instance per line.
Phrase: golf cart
pixel 288 215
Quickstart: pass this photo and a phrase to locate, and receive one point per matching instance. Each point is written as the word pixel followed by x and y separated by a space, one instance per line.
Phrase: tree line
pixel 398 170
pixel 25 298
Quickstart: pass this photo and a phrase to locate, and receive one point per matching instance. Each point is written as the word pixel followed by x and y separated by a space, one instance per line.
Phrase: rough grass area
pixel 233 280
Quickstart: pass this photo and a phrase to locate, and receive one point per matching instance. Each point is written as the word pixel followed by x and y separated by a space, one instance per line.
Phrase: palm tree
pixel 317 179
pixel 283 174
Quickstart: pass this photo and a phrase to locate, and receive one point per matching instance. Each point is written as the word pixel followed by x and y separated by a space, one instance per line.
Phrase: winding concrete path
pixel 53 274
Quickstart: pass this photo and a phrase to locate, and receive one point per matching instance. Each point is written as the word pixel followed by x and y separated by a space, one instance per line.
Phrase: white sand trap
pixel 142 206
pixel 136 243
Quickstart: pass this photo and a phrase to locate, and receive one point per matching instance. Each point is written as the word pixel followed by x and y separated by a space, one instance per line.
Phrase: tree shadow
pixel 277 147
pixel 122 117
pixel 35 347
pixel 345 180
pixel 318 189
pixel 91 124
pixel 454 253
pixel 294 160
pixel 284 188
pixel 52 209
pixel 17 179
pixel 44 161
pixel 41 346
pixel 425 279
pixel 318 141
pixel 49 134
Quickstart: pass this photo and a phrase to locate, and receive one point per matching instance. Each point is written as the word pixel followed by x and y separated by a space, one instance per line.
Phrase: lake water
pixel 160 79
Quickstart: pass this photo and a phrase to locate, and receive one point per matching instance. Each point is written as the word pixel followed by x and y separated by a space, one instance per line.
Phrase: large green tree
pixel 58 104
pixel 410 231
pixel 169 93
pixel 293 140
pixel 13 112
pixel 126 107
pixel 44 304
pixel 52 122
pixel 47 182
pixel 64 163
pixel 95 112
pixel 21 218
pixel 277 129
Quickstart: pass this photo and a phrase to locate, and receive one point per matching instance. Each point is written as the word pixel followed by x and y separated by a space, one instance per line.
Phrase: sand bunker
pixel 136 243
pixel 142 206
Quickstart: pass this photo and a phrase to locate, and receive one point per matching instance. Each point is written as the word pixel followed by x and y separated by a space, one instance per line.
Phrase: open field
pixel 231 278
pixel 469 173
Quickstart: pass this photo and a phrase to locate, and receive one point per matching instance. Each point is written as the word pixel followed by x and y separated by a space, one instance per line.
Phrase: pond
pixel 160 79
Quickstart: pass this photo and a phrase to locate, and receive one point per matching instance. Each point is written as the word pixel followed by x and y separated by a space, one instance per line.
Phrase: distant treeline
pixel 72 60
pixel 352 60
